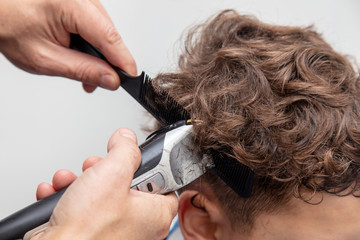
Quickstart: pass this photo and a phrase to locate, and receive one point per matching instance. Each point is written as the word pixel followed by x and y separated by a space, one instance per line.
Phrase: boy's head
pixel 280 100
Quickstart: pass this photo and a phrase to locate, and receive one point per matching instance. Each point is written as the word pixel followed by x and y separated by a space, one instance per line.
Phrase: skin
pixel 35 36
pixel 104 186
pixel 334 218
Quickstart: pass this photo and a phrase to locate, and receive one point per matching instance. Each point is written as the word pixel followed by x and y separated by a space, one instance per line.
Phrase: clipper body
pixel 176 165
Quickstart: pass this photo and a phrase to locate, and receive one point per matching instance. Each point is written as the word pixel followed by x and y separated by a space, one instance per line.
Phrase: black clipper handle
pixel 16 225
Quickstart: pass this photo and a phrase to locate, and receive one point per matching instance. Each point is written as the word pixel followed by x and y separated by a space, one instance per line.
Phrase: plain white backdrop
pixel 50 123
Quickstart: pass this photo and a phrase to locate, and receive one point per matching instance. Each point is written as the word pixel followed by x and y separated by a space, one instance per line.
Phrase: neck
pixel 334 218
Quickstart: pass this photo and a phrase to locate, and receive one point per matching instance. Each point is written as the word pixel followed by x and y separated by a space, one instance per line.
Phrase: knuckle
pixel 60 8
pixel 38 60
pixel 67 12
pixel 82 72
pixel 112 36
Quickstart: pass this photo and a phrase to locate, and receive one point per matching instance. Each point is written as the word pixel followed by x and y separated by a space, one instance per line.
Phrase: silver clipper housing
pixel 176 163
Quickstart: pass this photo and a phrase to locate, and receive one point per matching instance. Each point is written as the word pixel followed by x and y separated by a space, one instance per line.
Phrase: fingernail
pixel 107 81
pixel 128 133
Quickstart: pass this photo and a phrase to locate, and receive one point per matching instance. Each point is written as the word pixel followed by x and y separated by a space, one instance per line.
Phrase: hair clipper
pixel 169 162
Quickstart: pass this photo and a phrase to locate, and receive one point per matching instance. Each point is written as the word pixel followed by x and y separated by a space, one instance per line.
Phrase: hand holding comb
pixel 158 103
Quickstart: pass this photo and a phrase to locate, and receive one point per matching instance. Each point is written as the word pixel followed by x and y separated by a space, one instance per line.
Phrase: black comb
pixel 236 175
pixel 157 102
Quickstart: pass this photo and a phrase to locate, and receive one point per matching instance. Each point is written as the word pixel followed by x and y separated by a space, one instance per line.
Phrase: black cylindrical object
pixel 16 225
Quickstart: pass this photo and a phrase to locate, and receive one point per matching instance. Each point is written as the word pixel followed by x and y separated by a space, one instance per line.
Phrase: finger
pixel 167 210
pixel 44 190
pixel 60 61
pixel 62 178
pixel 89 162
pixel 85 19
pixel 172 203
pixel 161 208
pixel 118 135
pixel 88 88
pixel 168 203
pixel 123 158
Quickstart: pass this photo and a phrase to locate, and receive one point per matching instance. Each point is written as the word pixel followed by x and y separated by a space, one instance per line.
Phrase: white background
pixel 50 123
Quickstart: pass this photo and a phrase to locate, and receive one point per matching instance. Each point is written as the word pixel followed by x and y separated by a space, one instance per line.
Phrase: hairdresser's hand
pixel 62 179
pixel 100 205
pixel 34 35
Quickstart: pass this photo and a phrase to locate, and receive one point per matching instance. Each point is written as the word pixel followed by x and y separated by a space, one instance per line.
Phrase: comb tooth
pixel 161 105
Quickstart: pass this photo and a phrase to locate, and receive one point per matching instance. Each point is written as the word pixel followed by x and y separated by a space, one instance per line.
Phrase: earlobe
pixel 194 217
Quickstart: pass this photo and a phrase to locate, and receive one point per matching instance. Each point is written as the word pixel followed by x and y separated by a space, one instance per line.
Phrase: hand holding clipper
pixel 101 197
pixel 168 163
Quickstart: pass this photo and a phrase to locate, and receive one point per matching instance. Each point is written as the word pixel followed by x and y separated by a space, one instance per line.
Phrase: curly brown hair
pixel 280 99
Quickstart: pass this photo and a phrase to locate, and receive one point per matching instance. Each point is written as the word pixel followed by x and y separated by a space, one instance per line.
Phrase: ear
pixel 195 219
